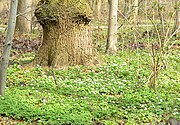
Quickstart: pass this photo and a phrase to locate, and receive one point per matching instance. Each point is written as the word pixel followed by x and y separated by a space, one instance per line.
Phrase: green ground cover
pixel 115 93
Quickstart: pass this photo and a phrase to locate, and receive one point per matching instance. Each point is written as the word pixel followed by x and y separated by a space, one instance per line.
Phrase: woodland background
pixel 139 84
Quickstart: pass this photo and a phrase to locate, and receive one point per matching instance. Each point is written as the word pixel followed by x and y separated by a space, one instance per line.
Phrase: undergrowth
pixel 112 94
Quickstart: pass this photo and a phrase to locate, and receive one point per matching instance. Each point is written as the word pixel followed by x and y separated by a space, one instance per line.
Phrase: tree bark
pixel 160 12
pixel 177 19
pixel 112 28
pixel 126 8
pixel 99 2
pixel 135 15
pixel 4 6
pixel 7 46
pixel 66 34
pixel 25 16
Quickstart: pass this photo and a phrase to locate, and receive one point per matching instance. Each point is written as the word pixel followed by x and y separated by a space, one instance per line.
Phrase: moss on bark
pixel 57 10
pixel 67 38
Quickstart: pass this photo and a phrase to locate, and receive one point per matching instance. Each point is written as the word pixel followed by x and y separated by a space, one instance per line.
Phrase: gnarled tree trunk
pixel 66 34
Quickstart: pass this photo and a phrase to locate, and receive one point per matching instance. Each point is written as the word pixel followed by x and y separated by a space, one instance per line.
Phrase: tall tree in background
pixel 112 27
pixel 177 17
pixel 3 5
pixel 99 4
pixel 25 15
pixel 135 15
pixel 126 8
pixel 161 12
pixel 7 46
pixel 67 36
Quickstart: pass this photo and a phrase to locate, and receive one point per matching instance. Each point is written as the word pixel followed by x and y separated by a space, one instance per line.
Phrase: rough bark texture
pixel 66 34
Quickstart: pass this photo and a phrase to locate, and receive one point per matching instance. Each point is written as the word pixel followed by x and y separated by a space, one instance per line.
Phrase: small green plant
pixel 110 94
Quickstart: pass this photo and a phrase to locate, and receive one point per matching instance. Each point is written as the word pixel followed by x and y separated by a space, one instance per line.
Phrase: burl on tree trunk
pixel 66 33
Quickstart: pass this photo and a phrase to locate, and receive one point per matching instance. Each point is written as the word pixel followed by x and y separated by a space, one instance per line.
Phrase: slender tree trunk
pixel 104 9
pixel 94 7
pixel 136 4
pixel 112 28
pixel 99 4
pixel 25 16
pixel 7 46
pixel 126 7
pixel 177 19
pixel 160 12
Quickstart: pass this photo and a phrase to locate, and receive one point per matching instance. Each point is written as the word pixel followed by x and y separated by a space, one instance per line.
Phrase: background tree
pixel 7 46
pixel 66 34
pixel 3 5
pixel 99 4
pixel 177 17
pixel 161 8
pixel 112 28
pixel 25 16
pixel 136 4
pixel 127 5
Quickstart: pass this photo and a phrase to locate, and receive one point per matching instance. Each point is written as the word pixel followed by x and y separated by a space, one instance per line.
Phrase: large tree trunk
pixel 25 16
pixel 66 34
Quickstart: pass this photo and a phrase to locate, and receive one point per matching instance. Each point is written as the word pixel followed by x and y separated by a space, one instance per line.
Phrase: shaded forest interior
pixel 138 84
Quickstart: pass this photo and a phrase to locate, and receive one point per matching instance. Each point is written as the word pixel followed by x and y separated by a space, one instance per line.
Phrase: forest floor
pixel 115 93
